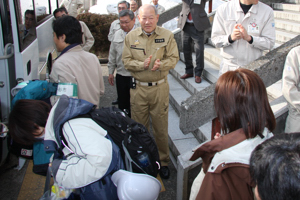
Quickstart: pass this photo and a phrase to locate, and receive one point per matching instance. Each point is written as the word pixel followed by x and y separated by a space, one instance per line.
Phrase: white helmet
pixel 134 186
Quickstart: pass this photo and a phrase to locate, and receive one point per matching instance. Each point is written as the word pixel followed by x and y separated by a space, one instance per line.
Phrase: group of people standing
pixel 142 53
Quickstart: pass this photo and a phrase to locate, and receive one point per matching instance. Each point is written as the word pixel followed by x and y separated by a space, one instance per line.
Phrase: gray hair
pixel 127 4
pixel 124 13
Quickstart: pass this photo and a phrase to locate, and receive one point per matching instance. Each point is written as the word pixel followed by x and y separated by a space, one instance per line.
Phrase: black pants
pixel 123 91
pixel 191 34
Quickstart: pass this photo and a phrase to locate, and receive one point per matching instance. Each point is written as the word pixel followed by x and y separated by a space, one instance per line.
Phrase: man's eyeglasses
pixel 125 22
pixel 122 8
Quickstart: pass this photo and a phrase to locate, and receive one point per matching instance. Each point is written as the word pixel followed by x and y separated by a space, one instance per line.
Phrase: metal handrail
pixel 7 56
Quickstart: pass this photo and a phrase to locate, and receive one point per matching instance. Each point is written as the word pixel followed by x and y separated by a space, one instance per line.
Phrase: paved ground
pixel 11 179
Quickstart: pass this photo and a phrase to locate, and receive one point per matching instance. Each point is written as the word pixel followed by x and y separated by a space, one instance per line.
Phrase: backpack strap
pixel 116 162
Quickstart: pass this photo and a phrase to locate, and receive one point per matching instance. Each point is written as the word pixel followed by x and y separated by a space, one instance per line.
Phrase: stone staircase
pixel 287 22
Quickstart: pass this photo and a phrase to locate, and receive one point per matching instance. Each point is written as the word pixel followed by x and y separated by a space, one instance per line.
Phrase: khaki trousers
pixel 153 101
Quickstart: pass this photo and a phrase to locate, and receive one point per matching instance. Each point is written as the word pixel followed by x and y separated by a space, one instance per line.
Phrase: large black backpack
pixel 138 148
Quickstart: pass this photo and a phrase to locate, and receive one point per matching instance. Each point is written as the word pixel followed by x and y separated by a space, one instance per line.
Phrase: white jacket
pixel 291 89
pixel 114 27
pixel 160 9
pixel 259 23
pixel 92 151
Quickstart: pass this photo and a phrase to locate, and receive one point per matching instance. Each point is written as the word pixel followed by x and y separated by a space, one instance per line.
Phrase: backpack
pixel 69 108
pixel 36 89
pixel 41 158
pixel 138 148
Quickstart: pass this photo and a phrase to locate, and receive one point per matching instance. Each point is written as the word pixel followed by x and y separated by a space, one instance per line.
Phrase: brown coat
pixel 229 179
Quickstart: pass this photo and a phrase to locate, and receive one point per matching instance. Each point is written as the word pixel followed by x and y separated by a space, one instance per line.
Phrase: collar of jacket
pixel 157 30
pixel 209 149
pixel 67 49
pixel 253 8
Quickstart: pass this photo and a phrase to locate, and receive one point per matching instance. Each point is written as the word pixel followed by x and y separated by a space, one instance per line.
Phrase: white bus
pixel 26 46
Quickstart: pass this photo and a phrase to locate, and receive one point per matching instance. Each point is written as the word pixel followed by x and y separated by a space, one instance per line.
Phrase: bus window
pixel 42 9
pixel 27 22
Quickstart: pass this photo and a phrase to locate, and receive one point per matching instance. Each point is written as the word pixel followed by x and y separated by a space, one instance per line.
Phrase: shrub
pixel 99 26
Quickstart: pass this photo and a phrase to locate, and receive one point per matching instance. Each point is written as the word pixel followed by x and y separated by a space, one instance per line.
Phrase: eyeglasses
pixel 125 22
pixel 121 8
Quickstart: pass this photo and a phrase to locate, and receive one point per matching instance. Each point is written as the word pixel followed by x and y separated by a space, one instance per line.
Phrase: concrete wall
pixel 269 2
pixel 198 109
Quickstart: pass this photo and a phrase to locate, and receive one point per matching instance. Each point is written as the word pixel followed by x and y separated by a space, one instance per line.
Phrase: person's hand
pixel 218 135
pixel 156 65
pixel 236 33
pixel 111 79
pixel 244 33
pixel 147 62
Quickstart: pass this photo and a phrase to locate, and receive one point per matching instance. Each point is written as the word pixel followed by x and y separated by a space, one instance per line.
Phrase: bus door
pixel 26 51
pixel 7 65
pixel 7 74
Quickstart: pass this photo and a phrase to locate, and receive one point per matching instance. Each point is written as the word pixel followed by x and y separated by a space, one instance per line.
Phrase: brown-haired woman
pixel 246 119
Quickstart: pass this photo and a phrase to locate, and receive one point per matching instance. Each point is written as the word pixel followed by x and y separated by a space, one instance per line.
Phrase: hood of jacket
pixel 66 108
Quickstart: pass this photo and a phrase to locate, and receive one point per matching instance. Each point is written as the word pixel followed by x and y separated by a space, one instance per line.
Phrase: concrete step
pixel 293 16
pixel 177 92
pixel 178 142
pixel 211 71
pixel 274 91
pixel 287 25
pixel 189 83
pixel 292 1
pixel 286 7
pixel 212 54
pixel 284 36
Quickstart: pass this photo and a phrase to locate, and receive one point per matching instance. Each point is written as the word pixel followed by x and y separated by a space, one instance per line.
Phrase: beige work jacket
pixel 83 68
pixel 87 37
pixel 138 46
pixel 72 6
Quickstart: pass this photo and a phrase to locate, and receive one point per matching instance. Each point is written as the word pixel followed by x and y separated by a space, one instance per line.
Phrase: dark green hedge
pixel 99 27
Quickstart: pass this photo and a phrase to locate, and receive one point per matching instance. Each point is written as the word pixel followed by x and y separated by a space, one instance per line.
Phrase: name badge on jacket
pixel 160 40
pixel 197 1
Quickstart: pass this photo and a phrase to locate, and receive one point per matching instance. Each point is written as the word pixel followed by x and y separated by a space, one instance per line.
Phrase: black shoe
pixel 164 172
pixel 115 102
